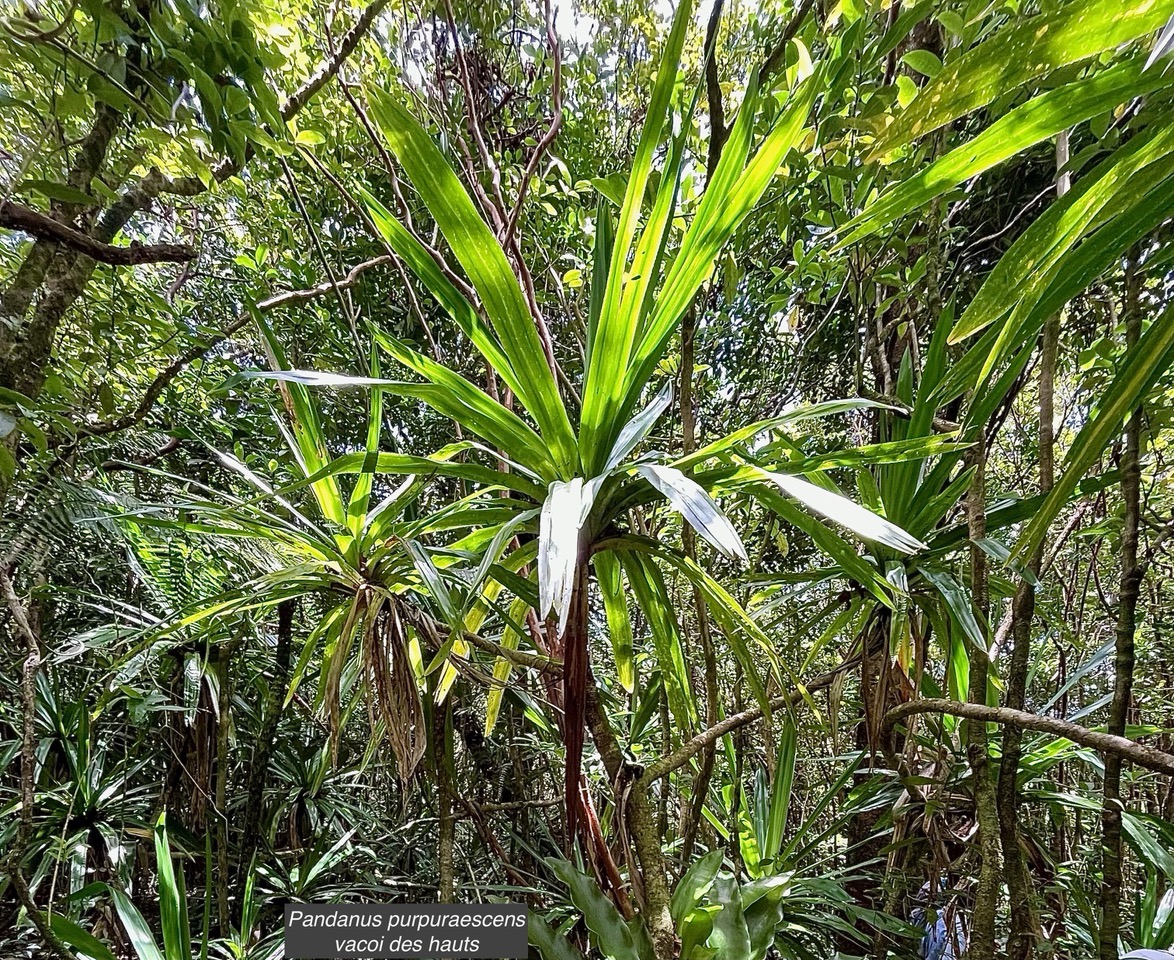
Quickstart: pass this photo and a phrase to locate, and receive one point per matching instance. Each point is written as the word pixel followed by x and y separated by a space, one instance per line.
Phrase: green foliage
pixel 591 398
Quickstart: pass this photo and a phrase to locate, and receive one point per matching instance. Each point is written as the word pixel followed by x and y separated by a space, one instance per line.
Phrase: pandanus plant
pixel 580 486
pixel 357 558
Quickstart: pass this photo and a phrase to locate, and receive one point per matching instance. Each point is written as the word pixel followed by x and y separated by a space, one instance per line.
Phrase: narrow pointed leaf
pixel 638 428
pixel 651 594
pixel 1143 365
pixel 839 509
pixel 1030 47
pixel 619 626
pixel 485 262
pixel 1037 120
pixel 142 941
pixel 695 505
pixel 615 330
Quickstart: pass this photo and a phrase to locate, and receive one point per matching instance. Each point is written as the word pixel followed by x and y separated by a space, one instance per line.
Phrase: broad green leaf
pixel 57 191
pixel 142 941
pixel 1029 48
pixel 730 936
pixel 405 245
pixel 694 884
pixel 551 944
pixel 78 937
pixel 764 905
pixel 610 932
pixel 719 214
pixel 173 903
pixel 958 601
pixel 923 61
pixel 615 329
pixel 475 409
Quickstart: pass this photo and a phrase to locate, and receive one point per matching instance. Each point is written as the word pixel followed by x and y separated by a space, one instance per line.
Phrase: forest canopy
pixel 695 470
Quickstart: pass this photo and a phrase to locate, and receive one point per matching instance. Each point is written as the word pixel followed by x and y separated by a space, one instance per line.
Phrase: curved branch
pixel 548 138
pixel 1138 753
pixel 191 355
pixel 688 750
pixel 778 53
pixel 16 216
pixel 192 186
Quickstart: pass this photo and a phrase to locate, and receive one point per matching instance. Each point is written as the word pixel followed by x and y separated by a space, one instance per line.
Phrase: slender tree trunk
pixel 1024 917
pixel 259 769
pixel 734 845
pixel 447 824
pixel 576 679
pixel 220 814
pixel 701 781
pixel 635 804
pixel 986 897
pixel 1127 597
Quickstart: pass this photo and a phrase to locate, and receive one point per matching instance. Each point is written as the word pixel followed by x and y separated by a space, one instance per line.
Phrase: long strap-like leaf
pixel 1144 364
pixel 486 265
pixel 1033 47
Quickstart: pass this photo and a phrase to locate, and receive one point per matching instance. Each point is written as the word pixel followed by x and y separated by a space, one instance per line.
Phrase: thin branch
pixel 687 751
pixel 1140 754
pixel 547 140
pixel 28 763
pixel 496 206
pixel 778 54
pixel 165 376
pixel 16 216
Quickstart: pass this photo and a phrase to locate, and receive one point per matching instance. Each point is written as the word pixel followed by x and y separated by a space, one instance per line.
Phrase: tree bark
pixel 1127 597
pixel 63 274
pixel 446 818
pixel 1024 918
pixel 1111 745
pixel 635 804
pixel 16 216
pixel 982 934
pixel 259 768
